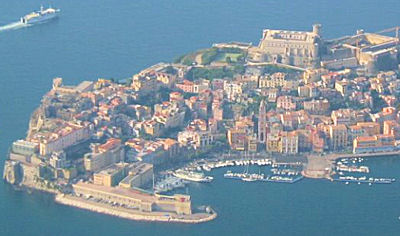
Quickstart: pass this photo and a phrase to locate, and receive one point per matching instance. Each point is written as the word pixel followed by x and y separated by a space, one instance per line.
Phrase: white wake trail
pixel 13 26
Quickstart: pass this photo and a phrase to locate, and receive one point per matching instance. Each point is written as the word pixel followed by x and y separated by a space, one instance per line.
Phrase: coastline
pixel 320 167
pixel 133 214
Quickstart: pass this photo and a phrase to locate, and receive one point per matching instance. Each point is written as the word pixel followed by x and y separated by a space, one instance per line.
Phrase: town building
pixel 337 137
pixel 286 103
pixel 24 147
pixel 66 136
pixel 103 155
pixel 317 107
pixel 134 199
pixel 373 144
pixel 139 175
pixel 289 142
pixel 112 175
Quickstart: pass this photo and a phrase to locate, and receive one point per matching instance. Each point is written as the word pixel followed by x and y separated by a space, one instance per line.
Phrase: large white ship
pixel 193 176
pixel 40 16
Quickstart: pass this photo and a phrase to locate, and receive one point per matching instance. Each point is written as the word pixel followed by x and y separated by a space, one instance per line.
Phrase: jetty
pixel 322 166
pixel 134 204
pixel 349 179
pixel 133 214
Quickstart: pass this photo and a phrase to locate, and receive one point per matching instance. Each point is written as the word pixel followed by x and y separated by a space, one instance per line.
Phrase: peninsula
pixel 295 97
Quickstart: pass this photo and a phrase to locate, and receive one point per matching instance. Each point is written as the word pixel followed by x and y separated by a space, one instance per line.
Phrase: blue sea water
pixel 115 39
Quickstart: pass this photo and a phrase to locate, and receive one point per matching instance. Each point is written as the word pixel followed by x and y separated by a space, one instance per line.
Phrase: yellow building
pixel 134 199
pixel 369 128
pixel 140 174
pixel 237 139
pixel 62 138
pixel 273 142
pixel 104 155
pixel 252 143
pixel 111 176
pixel 342 86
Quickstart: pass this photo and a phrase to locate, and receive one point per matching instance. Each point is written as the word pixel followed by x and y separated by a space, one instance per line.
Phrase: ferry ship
pixel 192 176
pixel 40 16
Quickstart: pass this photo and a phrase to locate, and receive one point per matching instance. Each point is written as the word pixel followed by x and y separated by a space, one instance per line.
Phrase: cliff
pixel 12 172
pixel 27 175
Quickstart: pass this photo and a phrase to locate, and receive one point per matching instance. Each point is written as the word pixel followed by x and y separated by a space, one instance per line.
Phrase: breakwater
pixel 134 214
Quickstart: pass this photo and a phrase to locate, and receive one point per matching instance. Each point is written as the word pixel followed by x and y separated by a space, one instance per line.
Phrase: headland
pixel 295 100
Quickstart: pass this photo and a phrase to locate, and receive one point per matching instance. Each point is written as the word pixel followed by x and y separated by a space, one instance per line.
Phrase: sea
pixel 116 39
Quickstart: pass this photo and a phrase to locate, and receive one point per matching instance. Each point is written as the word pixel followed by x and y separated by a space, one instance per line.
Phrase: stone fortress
pixel 366 51
pixel 298 48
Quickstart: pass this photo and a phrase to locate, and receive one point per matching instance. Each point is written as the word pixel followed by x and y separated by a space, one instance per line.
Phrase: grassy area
pixel 207 56
pixel 221 55
pixel 213 73
pixel 224 57
pixel 187 59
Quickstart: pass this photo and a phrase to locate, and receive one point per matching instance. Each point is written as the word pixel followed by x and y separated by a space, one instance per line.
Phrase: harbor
pixel 169 183
pixel 269 170
pixel 266 170
pixel 260 177
pixel 370 181
pixel 356 172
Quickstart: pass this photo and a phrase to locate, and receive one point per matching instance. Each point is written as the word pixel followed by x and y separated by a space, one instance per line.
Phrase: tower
pixel 262 129
pixel 317 29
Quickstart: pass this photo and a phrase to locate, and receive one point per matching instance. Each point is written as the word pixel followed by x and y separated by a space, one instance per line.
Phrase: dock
pixel 283 180
pixel 368 181
pixel 133 214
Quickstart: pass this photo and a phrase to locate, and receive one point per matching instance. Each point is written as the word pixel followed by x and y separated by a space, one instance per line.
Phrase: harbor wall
pixel 133 214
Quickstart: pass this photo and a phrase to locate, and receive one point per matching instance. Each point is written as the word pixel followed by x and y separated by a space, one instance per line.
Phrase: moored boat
pixel 193 176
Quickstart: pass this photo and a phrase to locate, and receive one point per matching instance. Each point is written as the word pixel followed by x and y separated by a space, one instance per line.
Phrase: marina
pixel 210 164
pixel 244 176
pixel 283 179
pixel 169 183
pixel 268 171
pixel 192 176
pixel 352 179
pixel 260 177
pixel 352 165
pixel 271 171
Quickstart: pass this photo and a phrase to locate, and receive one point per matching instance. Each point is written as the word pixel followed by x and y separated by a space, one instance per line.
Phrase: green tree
pixel 377 102
pixel 171 70
pixel 209 56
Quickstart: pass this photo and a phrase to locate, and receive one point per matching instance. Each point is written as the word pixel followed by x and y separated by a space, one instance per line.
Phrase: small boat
pixel 249 179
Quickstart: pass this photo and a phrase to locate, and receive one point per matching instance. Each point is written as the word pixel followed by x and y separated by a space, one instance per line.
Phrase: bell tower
pixel 262 126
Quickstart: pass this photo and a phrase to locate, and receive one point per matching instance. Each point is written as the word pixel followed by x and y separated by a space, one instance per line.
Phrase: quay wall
pixel 319 167
pixel 363 155
pixel 133 214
